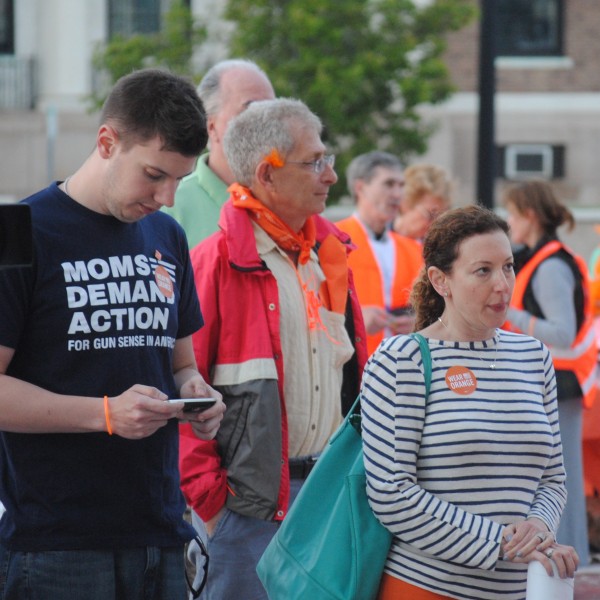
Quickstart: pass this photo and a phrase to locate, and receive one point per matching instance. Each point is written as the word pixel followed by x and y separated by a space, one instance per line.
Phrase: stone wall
pixel 31 158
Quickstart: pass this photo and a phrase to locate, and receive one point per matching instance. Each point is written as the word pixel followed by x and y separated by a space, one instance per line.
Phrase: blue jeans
pixel 131 574
pixel 234 550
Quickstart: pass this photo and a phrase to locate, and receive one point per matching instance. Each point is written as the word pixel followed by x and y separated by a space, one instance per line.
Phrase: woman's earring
pixel 446 294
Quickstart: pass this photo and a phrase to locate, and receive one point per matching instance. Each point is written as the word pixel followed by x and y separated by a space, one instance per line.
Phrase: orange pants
pixel 396 589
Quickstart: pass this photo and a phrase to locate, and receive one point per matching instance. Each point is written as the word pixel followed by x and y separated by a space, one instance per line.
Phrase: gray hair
pixel 265 125
pixel 209 88
pixel 363 167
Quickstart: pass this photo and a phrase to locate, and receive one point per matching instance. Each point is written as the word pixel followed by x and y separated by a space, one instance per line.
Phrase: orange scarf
pixel 279 231
pixel 332 253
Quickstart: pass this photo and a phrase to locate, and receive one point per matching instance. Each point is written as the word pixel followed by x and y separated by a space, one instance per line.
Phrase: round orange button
pixel 461 380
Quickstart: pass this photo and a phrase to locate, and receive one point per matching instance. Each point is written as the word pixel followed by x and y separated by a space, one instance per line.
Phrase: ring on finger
pixel 549 552
pixel 541 536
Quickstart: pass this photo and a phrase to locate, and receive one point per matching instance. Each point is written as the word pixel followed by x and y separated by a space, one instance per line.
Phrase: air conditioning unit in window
pixel 523 161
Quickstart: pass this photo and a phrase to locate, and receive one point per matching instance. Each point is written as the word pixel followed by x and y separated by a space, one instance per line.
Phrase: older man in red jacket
pixel 283 339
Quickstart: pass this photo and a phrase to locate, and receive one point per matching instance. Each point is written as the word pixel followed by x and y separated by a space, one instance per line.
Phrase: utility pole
pixel 486 151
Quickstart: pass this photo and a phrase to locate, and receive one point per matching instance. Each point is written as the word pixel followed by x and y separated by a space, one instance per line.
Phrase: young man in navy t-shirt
pixel 94 338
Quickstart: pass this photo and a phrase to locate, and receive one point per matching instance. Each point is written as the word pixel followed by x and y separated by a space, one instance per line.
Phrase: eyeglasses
pixel 318 166
pixel 196 592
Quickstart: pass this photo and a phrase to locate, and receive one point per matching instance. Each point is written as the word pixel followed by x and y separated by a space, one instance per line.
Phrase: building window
pixel 7 27
pixel 529 27
pixel 128 17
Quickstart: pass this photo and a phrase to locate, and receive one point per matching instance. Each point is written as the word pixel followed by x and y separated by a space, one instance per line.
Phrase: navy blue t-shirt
pixel 99 312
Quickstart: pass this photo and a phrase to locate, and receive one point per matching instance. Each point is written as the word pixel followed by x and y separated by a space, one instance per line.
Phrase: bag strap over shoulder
pixel 353 415
pixel 426 358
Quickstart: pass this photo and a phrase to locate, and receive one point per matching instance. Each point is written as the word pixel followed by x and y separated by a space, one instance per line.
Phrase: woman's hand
pixel 564 557
pixel 530 540
pixel 519 539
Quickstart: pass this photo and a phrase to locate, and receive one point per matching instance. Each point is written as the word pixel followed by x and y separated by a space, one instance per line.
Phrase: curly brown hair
pixel 440 249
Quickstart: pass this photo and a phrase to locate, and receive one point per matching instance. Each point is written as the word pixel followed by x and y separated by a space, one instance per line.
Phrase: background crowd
pixel 258 301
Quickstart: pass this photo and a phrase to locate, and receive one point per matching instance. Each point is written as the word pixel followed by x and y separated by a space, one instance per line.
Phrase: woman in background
pixel 470 480
pixel 427 193
pixel 551 303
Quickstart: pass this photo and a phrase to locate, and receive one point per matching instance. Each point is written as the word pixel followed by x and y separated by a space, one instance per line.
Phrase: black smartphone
pixel 401 310
pixel 195 404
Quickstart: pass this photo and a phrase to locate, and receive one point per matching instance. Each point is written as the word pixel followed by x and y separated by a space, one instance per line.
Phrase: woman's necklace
pixel 491 365
pixel 66 185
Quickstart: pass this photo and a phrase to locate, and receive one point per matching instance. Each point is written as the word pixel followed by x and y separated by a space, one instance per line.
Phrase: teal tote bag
pixel 331 546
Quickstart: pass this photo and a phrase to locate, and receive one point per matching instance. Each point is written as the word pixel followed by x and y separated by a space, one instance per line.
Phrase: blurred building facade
pixel 547 94
pixel 547 105
pixel 547 90
pixel 46 73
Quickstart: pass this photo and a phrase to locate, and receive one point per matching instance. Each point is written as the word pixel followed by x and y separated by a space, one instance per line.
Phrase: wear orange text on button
pixel 461 380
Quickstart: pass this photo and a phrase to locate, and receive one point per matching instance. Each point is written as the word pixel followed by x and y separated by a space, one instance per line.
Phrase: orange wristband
pixel 107 416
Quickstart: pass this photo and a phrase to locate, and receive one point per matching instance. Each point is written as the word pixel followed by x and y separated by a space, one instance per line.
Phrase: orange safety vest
pixel 368 278
pixel 581 356
pixel 594 270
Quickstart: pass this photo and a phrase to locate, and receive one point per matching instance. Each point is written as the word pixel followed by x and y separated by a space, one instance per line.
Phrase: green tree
pixel 364 66
pixel 172 47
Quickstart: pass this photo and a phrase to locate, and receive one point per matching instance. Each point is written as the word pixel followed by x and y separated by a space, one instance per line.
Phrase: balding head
pixel 226 90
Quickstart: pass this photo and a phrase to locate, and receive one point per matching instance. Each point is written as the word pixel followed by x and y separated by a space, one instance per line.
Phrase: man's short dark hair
pixel 153 103
pixel 363 167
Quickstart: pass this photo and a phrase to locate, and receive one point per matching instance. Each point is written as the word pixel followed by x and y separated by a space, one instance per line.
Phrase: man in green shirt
pixel 225 90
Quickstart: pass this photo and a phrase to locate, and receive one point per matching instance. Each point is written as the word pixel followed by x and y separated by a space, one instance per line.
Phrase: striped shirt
pixel 445 475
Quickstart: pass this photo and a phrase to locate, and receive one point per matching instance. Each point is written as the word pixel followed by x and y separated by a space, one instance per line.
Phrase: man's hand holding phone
pixel 202 406
pixel 401 320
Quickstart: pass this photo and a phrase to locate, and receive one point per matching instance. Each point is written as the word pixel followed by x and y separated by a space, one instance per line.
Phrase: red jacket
pixel 238 351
